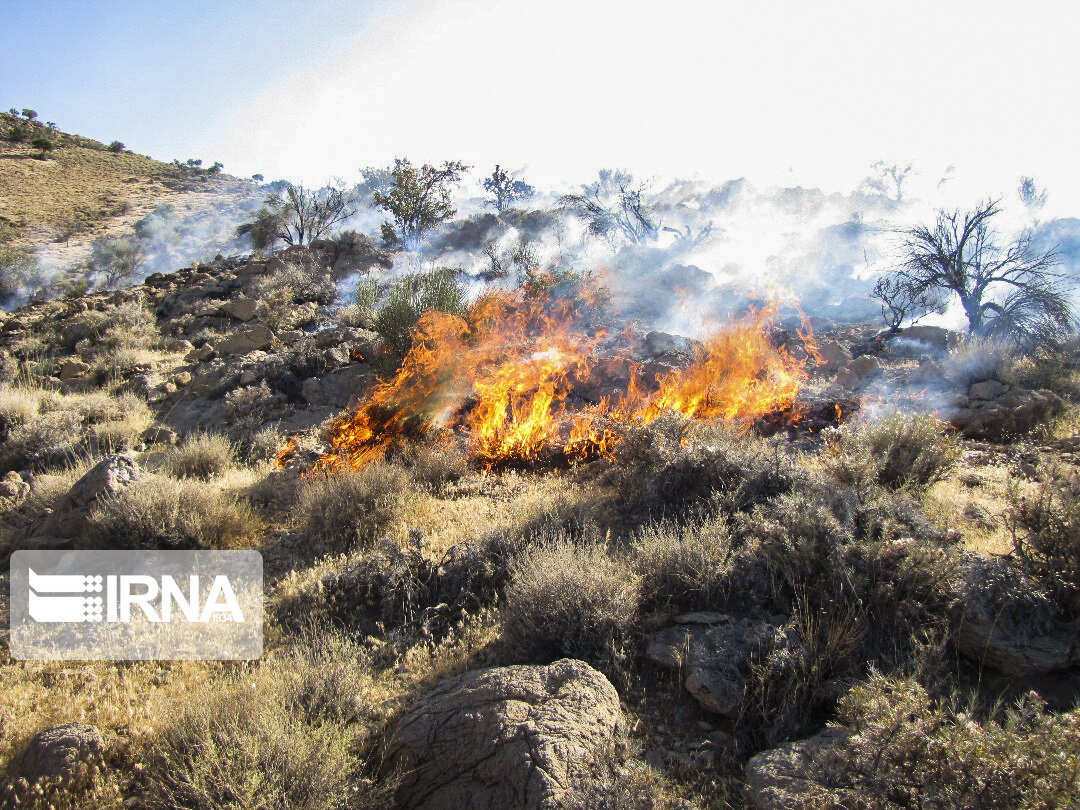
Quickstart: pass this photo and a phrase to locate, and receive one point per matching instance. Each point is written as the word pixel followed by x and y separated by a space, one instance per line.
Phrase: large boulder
pixel 243 309
pixel 256 336
pixel 995 411
pixel 59 752
pixel 518 736
pixel 713 651
pixel 859 371
pixel 785 777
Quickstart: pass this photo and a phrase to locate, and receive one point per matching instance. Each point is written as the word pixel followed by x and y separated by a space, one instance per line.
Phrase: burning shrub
pixel 411 297
pixel 1046 536
pixel 353 509
pixel 203 456
pixel 285 735
pixel 676 467
pixel 682 567
pixel 160 513
pixel 902 451
pixel 570 599
pixel 920 753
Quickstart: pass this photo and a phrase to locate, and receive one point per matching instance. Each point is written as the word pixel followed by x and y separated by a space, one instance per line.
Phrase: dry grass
pixel 202 456
pixel 570 599
pixel 157 512
pixel 339 512
pixel 45 429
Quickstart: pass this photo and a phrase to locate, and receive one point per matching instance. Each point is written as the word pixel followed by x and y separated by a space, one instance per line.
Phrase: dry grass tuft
pixel 343 511
pixel 202 455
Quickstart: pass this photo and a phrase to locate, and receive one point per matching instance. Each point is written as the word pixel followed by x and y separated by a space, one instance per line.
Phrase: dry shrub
pixel 42 429
pixel 682 567
pixel 436 466
pixel 570 599
pixel 346 510
pixel 160 513
pixel 299 281
pixel 674 467
pixel 202 455
pixel 908 751
pixel 290 734
pixel 262 445
pixel 1046 536
pixel 901 451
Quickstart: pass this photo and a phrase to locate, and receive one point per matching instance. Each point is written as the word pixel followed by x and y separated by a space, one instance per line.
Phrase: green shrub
pixel 361 312
pixel 901 451
pixel 908 751
pixel 160 513
pixel 570 599
pixel 346 510
pixel 202 455
pixel 18 268
pixel 412 296
pixel 285 736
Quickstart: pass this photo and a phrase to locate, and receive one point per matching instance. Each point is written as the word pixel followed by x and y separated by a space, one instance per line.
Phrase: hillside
pixel 82 191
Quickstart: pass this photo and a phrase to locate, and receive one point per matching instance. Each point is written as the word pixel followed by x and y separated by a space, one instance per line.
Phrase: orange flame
pixel 506 375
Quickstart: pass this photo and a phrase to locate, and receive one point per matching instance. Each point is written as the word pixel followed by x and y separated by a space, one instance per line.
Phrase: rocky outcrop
pixel 713 651
pixel 786 777
pixel 251 339
pixel 997 411
pixel 60 752
pixel 517 736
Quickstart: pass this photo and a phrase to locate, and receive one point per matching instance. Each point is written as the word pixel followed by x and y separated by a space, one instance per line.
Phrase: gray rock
pixel 73 370
pixel 713 657
pixel 517 736
pixel 201 354
pixel 859 371
pixel 785 777
pixel 109 476
pixel 243 309
pixel 254 337
pixel 834 355
pixel 1010 413
pixel 987 389
pixel 58 751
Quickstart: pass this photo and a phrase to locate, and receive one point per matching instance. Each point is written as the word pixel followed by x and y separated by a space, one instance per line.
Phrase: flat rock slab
pixel 784 777
pixel 517 736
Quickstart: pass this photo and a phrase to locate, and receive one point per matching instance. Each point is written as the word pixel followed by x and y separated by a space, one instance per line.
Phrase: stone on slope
pixel 256 336
pixel 518 736
pixel 58 751
pixel 784 777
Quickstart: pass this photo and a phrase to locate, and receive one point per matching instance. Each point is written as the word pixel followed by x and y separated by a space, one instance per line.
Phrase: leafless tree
pixel 309 214
pixel 614 206
pixel 900 302
pixel 1007 291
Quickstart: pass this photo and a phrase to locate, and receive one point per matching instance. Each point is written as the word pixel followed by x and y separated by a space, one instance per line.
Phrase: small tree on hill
pixel 44 144
pixel 117 259
pixel 116 147
pixel 29 114
pixel 418 199
pixel 1007 291
pixel 505 190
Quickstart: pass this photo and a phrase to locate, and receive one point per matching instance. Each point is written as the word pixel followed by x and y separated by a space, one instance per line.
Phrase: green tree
pixel 116 146
pixel 118 259
pixel 505 190
pixel 29 114
pixel 17 270
pixel 44 144
pixel 417 199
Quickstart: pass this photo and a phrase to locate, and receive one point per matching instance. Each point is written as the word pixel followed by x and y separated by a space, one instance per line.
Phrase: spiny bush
pixel 908 751
pixel 343 511
pixel 570 599
pixel 677 467
pixel 300 281
pixel 286 736
pixel 682 567
pixel 161 513
pixel 904 450
pixel 1046 536
pixel 412 296
pixel 202 455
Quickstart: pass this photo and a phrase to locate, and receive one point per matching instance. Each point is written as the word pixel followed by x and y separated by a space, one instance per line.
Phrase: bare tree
pixel 614 206
pixel 900 302
pixel 889 181
pixel 309 214
pixel 1006 291
pixel 1031 195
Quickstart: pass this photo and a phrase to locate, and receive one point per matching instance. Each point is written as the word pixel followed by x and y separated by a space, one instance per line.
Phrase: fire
pixel 508 376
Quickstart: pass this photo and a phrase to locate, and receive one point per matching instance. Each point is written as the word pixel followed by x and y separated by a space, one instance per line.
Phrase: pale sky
pixel 777 91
